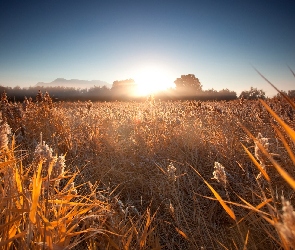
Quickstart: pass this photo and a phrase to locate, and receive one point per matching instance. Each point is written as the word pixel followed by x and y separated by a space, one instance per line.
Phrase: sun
pixel 151 79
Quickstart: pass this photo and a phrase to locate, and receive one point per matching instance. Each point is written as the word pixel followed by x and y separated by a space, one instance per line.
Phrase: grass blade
pixel 221 201
pixel 287 147
pixel 218 197
pixel 291 71
pixel 6 163
pixel 288 129
pixel 281 171
pixel 246 241
pixel 257 164
pixel 261 205
pixel 288 99
pixel 181 233
pixel 3 243
pixel 37 181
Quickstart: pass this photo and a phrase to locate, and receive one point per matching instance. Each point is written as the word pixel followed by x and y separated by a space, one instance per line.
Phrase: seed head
pixel 4 132
pixel 287 226
pixel 219 173
pixel 264 142
pixel 43 152
pixel 171 172
pixel 59 167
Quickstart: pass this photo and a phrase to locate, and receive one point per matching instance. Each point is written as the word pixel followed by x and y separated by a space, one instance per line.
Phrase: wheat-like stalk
pixel 122 175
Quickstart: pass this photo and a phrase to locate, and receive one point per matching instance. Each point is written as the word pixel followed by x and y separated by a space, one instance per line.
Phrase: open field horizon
pixel 186 87
pixel 156 84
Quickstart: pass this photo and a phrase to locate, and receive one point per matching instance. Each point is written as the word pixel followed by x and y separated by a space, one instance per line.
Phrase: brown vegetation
pixel 140 175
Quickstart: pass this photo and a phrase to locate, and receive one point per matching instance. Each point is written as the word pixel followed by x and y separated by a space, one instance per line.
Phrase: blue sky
pixel 218 41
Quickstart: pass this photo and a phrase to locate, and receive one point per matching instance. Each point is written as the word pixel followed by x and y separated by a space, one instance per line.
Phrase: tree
pixel 123 88
pixel 123 84
pixel 188 85
pixel 253 94
pixel 226 94
pixel 291 93
pixel 279 96
pixel 210 92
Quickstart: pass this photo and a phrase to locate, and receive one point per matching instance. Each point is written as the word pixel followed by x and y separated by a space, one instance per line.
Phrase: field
pixel 146 175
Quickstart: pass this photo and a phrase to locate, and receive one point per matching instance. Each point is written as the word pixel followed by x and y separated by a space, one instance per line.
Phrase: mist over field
pixel 74 83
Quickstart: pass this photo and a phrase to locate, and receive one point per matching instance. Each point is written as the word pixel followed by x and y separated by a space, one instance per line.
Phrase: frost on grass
pixel 43 152
pixel 219 173
pixel 53 166
pixel 4 132
pixel 171 172
pixel 264 142
pixel 58 171
pixel 258 153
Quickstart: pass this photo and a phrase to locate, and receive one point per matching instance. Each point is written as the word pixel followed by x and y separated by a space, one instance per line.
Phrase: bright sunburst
pixel 151 80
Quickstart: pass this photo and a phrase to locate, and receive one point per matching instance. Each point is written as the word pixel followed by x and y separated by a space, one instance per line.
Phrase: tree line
pixel 187 87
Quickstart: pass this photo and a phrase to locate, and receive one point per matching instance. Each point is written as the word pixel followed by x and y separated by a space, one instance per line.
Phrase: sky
pixel 220 41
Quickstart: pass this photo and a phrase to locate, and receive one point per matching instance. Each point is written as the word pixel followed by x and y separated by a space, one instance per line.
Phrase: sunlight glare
pixel 151 80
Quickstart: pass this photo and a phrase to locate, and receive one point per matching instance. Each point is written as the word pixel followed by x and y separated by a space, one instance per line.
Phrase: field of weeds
pixel 147 175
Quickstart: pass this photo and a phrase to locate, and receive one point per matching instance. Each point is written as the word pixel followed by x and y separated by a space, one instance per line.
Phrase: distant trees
pixel 59 93
pixel 188 85
pixel 253 94
pixel 210 92
pixel 123 88
pixel 291 93
pixel 226 94
pixel 98 93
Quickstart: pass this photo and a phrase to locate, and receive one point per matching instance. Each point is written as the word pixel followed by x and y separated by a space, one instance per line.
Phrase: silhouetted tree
pixel 252 94
pixel 226 94
pixel 279 96
pixel 99 93
pixel 188 85
pixel 291 93
pixel 123 88
pixel 210 92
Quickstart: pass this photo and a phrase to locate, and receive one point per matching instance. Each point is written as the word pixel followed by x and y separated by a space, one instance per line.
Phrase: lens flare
pixel 151 80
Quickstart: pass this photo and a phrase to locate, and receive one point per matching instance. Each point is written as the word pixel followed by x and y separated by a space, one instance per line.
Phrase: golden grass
pixel 139 176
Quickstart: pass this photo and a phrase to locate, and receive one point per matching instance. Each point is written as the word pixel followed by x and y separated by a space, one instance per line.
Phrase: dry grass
pixel 140 175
